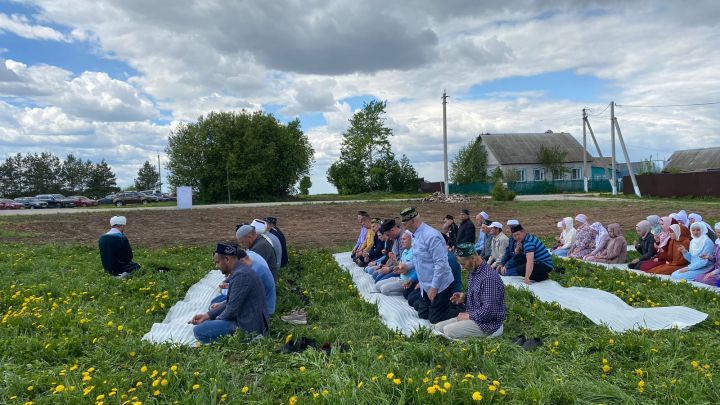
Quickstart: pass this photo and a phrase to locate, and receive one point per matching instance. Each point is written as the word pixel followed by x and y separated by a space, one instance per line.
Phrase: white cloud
pixel 22 27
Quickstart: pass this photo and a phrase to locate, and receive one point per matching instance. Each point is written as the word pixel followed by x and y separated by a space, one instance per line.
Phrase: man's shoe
pixel 298 317
pixel 123 275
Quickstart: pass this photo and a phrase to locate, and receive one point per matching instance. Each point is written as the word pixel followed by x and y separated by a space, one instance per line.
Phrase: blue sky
pixel 110 79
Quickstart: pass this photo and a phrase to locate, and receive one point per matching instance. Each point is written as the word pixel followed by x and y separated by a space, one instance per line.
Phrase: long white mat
pixel 601 307
pixel 175 329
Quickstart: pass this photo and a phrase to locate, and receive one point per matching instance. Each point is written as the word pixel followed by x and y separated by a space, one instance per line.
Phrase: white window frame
pixel 541 171
pixel 579 173
pixel 521 174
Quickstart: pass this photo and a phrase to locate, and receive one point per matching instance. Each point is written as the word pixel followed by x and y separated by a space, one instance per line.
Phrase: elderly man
pixel 499 244
pixel 466 230
pixel 249 239
pixel 538 263
pixel 430 261
pixel 245 305
pixel 115 251
pixel 273 229
pixel 480 219
pixel 484 301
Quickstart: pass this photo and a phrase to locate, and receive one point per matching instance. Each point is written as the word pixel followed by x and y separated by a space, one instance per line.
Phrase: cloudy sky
pixel 111 79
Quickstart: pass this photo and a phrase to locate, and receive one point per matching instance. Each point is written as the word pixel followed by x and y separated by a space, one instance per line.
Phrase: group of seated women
pixel 679 245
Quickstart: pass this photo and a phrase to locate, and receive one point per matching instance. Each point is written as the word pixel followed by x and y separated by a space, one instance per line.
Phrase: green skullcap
pixel 465 249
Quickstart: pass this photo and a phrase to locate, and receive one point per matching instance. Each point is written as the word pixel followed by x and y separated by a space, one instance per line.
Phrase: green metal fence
pixel 537 187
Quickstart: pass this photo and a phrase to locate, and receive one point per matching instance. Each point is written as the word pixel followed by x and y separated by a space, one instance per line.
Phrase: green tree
pixel 101 180
pixel 403 177
pixel 74 174
pixel 366 161
pixel 470 164
pixel 496 175
pixel 147 178
pixel 12 179
pixel 252 154
pixel 553 160
pixel 305 185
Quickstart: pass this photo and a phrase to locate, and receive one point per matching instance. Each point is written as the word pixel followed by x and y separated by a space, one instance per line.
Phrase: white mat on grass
pixel 175 329
pixel 601 307
pixel 394 309
pixel 604 308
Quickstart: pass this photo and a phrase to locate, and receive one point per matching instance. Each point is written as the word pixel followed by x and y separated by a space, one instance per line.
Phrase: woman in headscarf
pixel 584 238
pixel 712 277
pixel 663 238
pixel 682 218
pixel 649 257
pixel 655 223
pixel 674 258
pixel 616 249
pixel 568 238
pixel 700 247
pixel 693 218
pixel 601 240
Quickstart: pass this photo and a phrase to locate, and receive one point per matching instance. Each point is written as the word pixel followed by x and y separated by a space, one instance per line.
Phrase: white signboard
pixel 184 198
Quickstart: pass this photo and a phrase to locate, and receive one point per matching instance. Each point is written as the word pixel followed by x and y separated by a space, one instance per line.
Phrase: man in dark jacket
pixel 245 307
pixel 466 231
pixel 251 240
pixel 273 228
pixel 115 251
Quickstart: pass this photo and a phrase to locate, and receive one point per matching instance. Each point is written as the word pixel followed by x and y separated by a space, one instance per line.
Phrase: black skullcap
pixel 226 249
pixel 271 220
pixel 465 211
pixel 515 228
pixel 387 225
pixel 448 216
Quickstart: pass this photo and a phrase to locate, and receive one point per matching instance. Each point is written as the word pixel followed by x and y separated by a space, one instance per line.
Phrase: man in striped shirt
pixel 539 262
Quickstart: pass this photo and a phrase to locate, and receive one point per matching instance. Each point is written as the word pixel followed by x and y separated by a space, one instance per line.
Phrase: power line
pixel 667 105
pixel 605 109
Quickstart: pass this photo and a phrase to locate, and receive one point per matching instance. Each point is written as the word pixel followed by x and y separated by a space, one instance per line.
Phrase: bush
pixel 501 193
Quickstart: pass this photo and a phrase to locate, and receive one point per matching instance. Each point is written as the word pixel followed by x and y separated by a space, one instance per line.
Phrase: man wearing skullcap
pixel 261 227
pixel 512 263
pixel 499 244
pixel 245 307
pixel 538 262
pixel 275 230
pixel 115 251
pixel 250 239
pixel 484 301
pixel 430 261
pixel 466 230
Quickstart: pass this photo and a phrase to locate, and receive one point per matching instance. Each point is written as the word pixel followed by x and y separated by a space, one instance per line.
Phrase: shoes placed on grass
pixel 297 317
pixel 532 344
pixel 519 340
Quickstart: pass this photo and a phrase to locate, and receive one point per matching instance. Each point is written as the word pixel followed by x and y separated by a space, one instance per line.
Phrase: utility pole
pixel 159 174
pixel 585 173
pixel 445 157
pixel 613 183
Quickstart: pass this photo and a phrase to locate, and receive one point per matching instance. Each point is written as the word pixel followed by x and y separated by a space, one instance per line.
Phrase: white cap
pixel 259 225
pixel 511 222
pixel 118 221
pixel 484 214
pixel 497 225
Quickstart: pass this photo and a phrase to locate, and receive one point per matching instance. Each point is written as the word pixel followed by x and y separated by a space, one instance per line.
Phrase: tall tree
pixel 304 186
pixel 12 177
pixel 553 160
pixel 252 154
pixel 42 173
pixel 102 180
pixel 470 163
pixel 366 157
pixel 148 177
pixel 73 175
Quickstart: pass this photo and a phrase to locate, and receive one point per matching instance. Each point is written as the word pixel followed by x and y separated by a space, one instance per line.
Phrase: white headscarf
pixel 602 234
pixel 581 218
pixel 682 217
pixel 717 232
pixel 697 243
pixel 695 217
pixel 676 231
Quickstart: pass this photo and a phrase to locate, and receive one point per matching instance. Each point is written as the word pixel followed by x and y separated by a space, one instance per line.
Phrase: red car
pixel 7 204
pixel 81 201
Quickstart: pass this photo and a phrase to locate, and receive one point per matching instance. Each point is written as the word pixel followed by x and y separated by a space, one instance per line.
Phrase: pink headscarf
pixel 664 235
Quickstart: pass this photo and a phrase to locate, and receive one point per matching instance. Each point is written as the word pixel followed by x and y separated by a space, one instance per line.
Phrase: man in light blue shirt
pixel 431 265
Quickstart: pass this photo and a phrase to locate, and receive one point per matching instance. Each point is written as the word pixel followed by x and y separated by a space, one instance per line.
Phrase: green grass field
pixel 71 335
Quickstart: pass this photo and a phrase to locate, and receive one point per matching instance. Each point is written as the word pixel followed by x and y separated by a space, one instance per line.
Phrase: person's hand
pixel 661 250
pixel 223 285
pixel 463 316
pixel 215 305
pixel 667 262
pixel 634 261
pixel 392 256
pixel 432 293
pixel 406 284
pixel 199 318
pixel 682 249
pixel 656 260
pixel 400 269
pixel 457 298
pixel 503 270
pixel 526 280
pixel 384 252
pixel 417 286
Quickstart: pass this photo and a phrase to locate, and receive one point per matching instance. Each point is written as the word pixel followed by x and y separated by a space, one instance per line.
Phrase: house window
pixel 576 173
pixel 539 174
pixel 520 174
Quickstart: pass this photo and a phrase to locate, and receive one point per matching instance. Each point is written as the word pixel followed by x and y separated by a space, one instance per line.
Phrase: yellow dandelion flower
pixel 502 392
pixel 694 364
pixel 397 381
pixel 245 389
pixel 139 384
pixel 706 366
pixel 302 369
pixel 316 394
pixel 492 388
pixel 196 373
pixel 143 369
pixel 156 392
pixel 639 372
pixel 360 384
pixel 482 377
pixel 447 385
pixel 380 357
pixel 58 389
pixel 496 383
pixel 155 383
pixel 288 338
pixel 174 368
pixel 164 382
pixel 30 388
pixel 390 376
pixel 431 390
pixel 325 392
pixel 604 361
pixel 605 368
pixel 132 354
pixel 120 328
pixel 196 387
pixel 477 396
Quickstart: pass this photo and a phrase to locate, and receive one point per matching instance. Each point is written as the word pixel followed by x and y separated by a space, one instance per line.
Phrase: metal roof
pixel 694 160
pixel 513 149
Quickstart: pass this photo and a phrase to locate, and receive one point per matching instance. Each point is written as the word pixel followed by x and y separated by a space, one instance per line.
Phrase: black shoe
pixel 519 340
pixel 532 344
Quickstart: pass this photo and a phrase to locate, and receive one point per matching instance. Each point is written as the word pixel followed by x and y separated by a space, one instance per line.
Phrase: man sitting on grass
pixel 244 307
pixel 484 302
pixel 538 262
pixel 115 251
pixel 256 263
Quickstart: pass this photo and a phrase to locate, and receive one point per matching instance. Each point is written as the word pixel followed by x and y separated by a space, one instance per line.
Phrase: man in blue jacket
pixel 115 251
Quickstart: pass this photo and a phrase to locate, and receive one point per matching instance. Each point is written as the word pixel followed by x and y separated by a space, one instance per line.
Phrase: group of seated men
pixel 679 245
pixel 408 257
pixel 250 265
